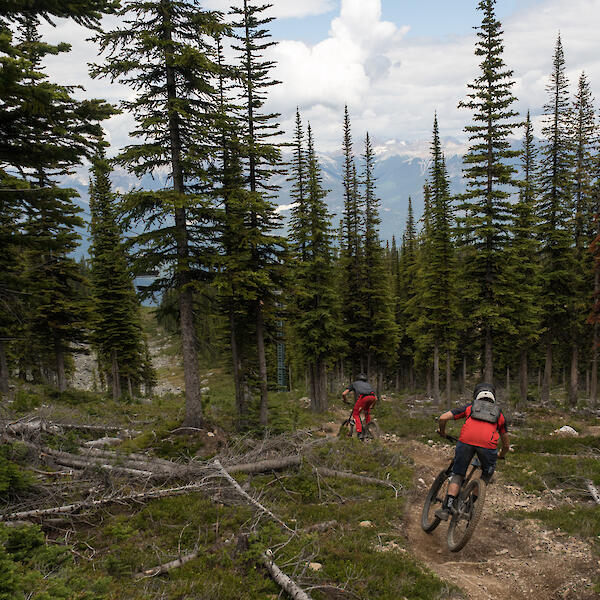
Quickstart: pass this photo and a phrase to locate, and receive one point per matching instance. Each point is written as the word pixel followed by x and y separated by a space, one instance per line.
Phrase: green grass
pixel 581 521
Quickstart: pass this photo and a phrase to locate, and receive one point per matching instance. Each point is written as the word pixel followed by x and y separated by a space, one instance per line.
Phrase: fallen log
pixel 319 527
pixel 282 580
pixel 362 478
pixel 103 441
pixel 275 464
pixel 246 496
pixel 166 567
pixel 76 506
pixel 593 490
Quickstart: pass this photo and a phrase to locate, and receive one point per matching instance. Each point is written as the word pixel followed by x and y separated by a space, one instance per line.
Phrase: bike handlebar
pixel 449 437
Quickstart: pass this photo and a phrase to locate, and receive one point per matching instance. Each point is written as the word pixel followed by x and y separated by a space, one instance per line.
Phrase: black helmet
pixel 361 377
pixel 484 387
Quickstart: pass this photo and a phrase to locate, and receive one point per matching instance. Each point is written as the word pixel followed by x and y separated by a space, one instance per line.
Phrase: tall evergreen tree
pixel 315 317
pixel 163 52
pixel 351 255
pixel 261 159
pixel 380 331
pixel 116 328
pixel 523 259
pixel 490 175
pixel 584 138
pixel 438 314
pixel 556 216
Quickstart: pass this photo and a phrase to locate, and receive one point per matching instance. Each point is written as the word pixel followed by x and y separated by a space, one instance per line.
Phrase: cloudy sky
pixel 394 62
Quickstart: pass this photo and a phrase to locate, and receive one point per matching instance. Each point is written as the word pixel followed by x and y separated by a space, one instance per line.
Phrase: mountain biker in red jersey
pixel 484 425
pixel 365 400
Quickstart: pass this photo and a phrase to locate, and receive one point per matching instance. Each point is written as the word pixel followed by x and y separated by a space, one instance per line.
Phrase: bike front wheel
pixel 467 515
pixel 372 431
pixel 346 429
pixel 433 501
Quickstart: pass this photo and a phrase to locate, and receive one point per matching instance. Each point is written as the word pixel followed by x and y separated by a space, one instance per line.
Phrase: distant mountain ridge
pixel 401 171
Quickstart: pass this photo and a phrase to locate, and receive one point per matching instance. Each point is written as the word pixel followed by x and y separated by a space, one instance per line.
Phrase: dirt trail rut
pixel 505 558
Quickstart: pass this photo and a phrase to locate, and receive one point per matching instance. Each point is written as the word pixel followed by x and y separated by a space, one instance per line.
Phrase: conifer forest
pixel 216 332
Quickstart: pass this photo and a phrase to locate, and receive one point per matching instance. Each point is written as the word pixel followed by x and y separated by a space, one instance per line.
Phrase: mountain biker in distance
pixel 484 425
pixel 365 397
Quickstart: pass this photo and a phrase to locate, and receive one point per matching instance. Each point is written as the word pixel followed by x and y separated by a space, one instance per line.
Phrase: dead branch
pixel 282 580
pixel 103 441
pixel 362 478
pixel 77 506
pixel 164 568
pixel 246 496
pixel 593 491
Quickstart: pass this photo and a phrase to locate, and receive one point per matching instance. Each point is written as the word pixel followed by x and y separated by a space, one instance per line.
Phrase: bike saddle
pixel 476 462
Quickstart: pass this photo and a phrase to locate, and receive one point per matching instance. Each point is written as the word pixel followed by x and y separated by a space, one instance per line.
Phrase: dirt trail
pixel 505 558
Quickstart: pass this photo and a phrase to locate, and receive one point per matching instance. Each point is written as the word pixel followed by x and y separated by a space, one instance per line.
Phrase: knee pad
pixel 458 479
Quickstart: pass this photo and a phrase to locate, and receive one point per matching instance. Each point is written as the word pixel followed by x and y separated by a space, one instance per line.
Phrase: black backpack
pixel 485 410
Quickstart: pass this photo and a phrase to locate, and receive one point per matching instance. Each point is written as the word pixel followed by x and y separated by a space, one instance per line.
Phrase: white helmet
pixel 486 395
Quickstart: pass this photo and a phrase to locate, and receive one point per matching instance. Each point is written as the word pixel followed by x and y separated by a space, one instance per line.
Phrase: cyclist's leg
pixel 488 458
pixel 368 406
pixel 356 415
pixel 462 459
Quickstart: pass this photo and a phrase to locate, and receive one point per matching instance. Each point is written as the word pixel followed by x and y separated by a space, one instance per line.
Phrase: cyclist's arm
pixel 505 444
pixel 345 396
pixel 447 416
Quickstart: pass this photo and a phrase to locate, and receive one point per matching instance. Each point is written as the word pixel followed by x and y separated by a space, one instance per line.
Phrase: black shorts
pixel 464 454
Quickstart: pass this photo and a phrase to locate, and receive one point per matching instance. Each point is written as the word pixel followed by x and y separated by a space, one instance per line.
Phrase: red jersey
pixel 476 432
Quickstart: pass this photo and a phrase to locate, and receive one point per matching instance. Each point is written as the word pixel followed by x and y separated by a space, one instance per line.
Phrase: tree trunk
pixel 574 379
pixel 489 356
pixel 523 377
pixel 436 374
pixel 587 382
pixel 193 399
pixel 262 365
pixel 116 378
pixel 547 380
pixel 594 368
pixel 61 377
pixel 448 380
pixel 428 382
pixel 4 389
pixel 464 376
pixel 129 387
pixel 240 403
pixel 507 392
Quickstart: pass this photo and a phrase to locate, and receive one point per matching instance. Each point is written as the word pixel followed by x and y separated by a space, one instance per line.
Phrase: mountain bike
pixel 371 430
pixel 469 505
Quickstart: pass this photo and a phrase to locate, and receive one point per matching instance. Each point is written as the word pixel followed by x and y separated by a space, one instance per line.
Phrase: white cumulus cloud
pixel 281 8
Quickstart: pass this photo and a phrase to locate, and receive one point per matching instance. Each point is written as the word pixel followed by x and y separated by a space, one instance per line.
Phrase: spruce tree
pixel 380 331
pixel 584 138
pixel 261 159
pixel 556 217
pixel 438 314
pixel 523 263
pixel 490 175
pixel 315 314
pixel 351 256
pixel 163 52
pixel 116 328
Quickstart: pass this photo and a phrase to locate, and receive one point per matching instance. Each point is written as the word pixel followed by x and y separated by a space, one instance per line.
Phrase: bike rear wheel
pixel 433 501
pixel 464 521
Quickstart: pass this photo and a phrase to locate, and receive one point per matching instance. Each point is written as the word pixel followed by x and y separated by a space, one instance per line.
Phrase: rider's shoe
pixel 442 513
pixel 361 436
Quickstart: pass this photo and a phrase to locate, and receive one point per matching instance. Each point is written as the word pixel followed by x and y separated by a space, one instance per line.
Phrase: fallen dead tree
pixel 166 567
pixel 361 478
pixel 87 504
pixel 223 473
pixel 282 580
pixel 593 490
pixel 30 425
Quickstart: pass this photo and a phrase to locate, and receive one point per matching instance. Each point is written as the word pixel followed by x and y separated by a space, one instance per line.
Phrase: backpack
pixel 484 410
